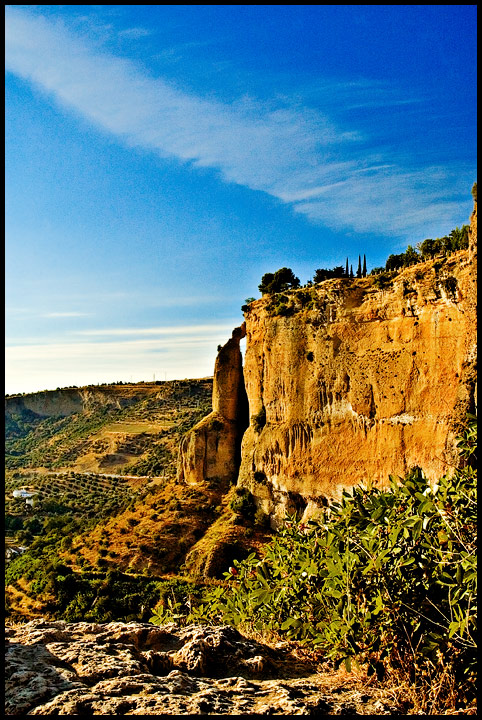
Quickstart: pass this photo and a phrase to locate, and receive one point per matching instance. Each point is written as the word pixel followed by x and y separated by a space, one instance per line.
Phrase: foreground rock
pixel 59 668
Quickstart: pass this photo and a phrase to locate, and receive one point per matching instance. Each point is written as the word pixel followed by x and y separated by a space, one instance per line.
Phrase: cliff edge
pixel 348 381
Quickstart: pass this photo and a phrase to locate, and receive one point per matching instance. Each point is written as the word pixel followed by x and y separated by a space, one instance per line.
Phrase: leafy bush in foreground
pixel 385 576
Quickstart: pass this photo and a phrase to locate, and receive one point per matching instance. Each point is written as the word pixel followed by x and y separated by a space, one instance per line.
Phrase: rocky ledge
pixel 60 668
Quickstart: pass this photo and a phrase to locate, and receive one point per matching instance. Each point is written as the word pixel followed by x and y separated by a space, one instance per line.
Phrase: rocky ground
pixel 60 668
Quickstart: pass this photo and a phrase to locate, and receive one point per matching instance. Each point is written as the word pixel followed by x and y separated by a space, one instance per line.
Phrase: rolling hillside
pixel 91 484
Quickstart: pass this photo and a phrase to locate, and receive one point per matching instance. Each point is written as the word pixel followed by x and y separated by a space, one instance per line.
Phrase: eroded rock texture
pixel 357 383
pixel 59 668
pixel 211 450
pixel 347 382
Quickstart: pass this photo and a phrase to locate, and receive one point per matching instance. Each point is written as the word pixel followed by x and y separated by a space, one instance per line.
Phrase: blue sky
pixel 161 158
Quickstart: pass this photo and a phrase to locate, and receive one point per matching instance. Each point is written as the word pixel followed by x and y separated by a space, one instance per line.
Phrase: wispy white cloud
pixel 175 353
pixel 135 33
pixel 65 314
pixel 295 154
pixel 186 330
pixel 148 299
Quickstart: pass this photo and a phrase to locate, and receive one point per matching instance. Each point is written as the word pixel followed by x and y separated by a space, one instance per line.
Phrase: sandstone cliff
pixel 211 450
pixel 359 383
pixel 349 382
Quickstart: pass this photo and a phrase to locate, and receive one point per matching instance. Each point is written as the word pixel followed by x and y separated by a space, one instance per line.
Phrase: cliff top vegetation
pixel 284 279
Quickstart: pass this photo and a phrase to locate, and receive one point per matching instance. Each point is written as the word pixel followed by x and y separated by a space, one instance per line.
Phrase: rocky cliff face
pixel 350 382
pixel 211 450
pixel 357 383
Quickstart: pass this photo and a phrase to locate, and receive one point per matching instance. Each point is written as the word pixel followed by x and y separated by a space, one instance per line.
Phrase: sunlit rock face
pixel 60 668
pixel 356 383
pixel 210 452
pixel 347 382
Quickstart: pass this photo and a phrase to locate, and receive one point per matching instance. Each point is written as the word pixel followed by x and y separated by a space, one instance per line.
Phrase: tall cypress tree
pixel 358 272
pixel 346 268
pixel 364 271
pixel 351 271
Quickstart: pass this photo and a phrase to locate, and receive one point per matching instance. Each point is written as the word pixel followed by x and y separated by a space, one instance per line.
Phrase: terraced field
pixel 133 429
pixel 105 502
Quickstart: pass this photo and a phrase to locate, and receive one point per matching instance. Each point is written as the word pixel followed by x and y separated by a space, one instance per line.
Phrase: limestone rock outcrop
pixel 60 668
pixel 354 383
pixel 347 381
pixel 210 451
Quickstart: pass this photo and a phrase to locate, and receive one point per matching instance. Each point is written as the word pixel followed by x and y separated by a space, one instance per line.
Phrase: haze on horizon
pixel 161 159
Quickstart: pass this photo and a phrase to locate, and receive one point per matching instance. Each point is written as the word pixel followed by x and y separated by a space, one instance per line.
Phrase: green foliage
pixel 259 420
pixel 157 461
pixel 281 280
pixel 458 239
pixel 324 274
pixel 428 248
pixel 177 600
pixel 385 576
pixel 242 503
pixel 54 442
pixel 80 495
pixel 280 305
pixel 81 596
pixel 383 280
pixel 409 257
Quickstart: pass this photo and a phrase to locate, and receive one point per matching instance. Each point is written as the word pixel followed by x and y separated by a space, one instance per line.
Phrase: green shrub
pixel 259 420
pixel 383 280
pixel 283 309
pixel 282 279
pixel 385 576
pixel 243 503
pixel 261 519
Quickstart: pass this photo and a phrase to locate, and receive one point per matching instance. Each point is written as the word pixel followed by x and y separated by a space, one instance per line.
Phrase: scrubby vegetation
pixel 71 495
pixel 284 279
pixel 145 433
pixel 131 517
pixel 384 577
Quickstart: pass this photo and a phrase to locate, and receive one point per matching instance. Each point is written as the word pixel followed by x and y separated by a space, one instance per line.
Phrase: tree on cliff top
pixel 325 274
pixel 281 280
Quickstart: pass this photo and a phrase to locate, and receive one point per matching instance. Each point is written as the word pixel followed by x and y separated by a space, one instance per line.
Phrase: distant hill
pixel 110 428
pixel 98 466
